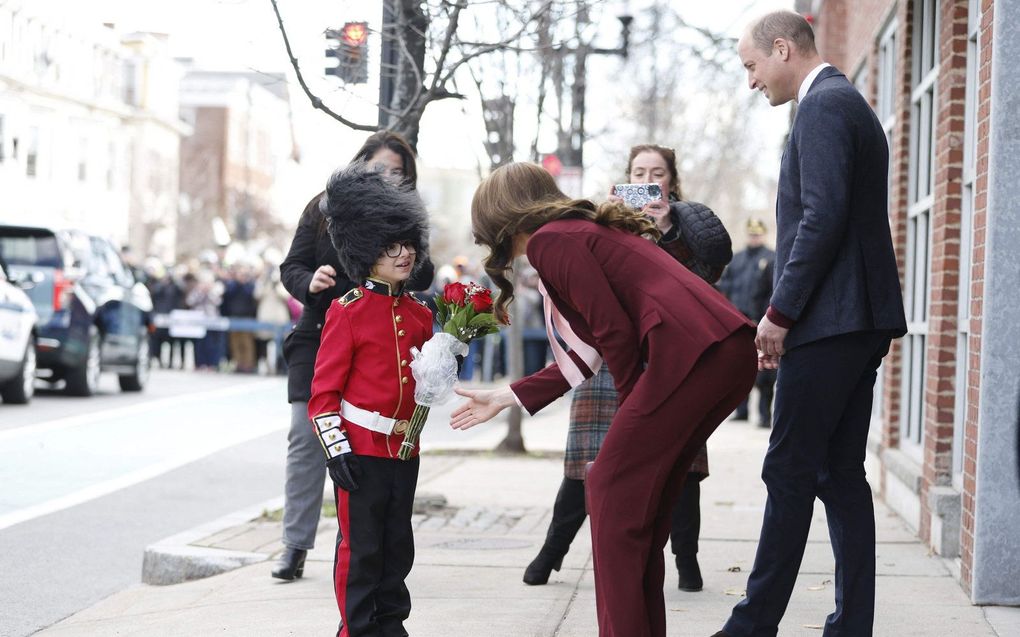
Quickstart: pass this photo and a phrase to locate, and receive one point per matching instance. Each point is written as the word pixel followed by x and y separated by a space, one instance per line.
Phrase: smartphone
pixel 637 196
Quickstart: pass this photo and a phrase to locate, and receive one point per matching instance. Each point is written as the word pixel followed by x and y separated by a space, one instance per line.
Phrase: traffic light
pixel 349 46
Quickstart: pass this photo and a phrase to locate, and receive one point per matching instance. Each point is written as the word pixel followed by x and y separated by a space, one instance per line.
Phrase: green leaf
pixel 442 310
pixel 483 320
pixel 456 324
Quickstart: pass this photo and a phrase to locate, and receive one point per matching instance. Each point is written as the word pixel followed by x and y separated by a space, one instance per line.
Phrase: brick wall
pixel 940 372
pixel 899 162
pixel 202 176
pixel 864 24
pixel 848 38
pixel 977 275
pixel 830 26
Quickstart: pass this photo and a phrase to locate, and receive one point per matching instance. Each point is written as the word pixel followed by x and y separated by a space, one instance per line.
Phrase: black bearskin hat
pixel 366 214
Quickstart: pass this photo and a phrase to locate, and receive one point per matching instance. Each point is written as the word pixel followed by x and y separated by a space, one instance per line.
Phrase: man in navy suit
pixel 835 307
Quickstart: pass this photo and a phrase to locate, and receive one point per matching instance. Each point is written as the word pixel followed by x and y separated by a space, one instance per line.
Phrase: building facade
pixel 89 134
pixel 243 140
pixel 944 79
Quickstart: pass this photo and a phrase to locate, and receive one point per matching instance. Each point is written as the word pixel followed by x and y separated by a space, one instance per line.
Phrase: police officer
pixel 747 283
pixel 363 396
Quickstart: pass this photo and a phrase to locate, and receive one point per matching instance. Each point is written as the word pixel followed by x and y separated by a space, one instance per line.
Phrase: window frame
pixel 921 200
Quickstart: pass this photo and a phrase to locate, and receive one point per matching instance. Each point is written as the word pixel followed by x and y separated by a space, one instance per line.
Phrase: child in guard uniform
pixel 363 396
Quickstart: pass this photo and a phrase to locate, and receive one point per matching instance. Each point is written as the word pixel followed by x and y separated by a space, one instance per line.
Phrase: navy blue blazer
pixel 835 268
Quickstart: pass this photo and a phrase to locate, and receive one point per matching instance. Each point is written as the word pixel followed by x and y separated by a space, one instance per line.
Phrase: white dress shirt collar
pixel 806 84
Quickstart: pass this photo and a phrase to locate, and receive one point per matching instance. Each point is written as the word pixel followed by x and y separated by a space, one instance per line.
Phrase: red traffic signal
pixel 349 45
pixel 354 33
pixel 552 164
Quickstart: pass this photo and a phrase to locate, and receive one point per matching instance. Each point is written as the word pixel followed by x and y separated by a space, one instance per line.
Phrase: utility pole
pixel 387 63
pixel 514 440
pixel 498 114
pixel 571 143
pixel 402 63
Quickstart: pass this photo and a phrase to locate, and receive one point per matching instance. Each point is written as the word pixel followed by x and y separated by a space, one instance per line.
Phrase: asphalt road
pixel 87 484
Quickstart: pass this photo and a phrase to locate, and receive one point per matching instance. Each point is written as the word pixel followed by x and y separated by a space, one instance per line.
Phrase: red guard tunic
pixel 362 373
pixel 364 359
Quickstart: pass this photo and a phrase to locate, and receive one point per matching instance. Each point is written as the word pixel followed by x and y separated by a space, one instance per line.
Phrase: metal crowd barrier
pixel 192 324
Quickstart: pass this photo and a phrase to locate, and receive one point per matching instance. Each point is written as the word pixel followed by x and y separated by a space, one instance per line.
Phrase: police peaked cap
pixel 756 226
pixel 365 214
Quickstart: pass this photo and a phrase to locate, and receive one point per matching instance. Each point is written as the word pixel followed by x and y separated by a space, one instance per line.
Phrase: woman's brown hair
pixel 518 199
pixel 667 154
pixel 375 142
pixel 396 143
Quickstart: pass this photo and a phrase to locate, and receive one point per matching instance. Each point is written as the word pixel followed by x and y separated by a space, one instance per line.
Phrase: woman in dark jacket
pixel 595 401
pixel 312 274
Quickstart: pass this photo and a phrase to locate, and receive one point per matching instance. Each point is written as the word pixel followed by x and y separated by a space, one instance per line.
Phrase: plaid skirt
pixel 591 412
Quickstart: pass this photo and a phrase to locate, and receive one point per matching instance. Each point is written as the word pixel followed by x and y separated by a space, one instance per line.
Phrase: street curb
pixel 175 559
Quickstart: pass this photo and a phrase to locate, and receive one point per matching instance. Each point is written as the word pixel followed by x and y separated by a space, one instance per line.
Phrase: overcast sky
pixel 243 34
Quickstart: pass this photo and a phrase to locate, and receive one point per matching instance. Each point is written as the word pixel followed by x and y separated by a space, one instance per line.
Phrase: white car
pixel 17 343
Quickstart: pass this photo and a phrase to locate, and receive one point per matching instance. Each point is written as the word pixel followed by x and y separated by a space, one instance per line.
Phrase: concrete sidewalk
pixel 472 550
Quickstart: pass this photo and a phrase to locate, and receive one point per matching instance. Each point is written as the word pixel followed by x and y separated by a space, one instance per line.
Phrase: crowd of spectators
pixel 247 287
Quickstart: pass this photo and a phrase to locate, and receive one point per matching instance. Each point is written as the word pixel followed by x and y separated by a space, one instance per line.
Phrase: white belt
pixel 372 420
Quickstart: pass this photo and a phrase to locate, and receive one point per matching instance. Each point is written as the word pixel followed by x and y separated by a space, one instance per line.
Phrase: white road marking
pixel 42 449
pixel 130 410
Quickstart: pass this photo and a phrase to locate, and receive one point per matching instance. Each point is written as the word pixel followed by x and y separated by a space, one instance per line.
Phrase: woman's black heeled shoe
pixel 689 574
pixel 291 565
pixel 541 567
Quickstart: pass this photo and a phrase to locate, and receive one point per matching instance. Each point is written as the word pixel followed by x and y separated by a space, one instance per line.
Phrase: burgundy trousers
pixel 638 474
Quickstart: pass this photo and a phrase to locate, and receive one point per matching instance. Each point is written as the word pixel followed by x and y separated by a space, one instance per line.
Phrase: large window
pixel 860 80
pixel 885 109
pixel 83 158
pixel 966 238
pixel 32 153
pixel 885 102
pixel 920 196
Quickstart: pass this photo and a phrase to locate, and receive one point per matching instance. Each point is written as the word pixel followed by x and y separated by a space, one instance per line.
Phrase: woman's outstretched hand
pixel 481 406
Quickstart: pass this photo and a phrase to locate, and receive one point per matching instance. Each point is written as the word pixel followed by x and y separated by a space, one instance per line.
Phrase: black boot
pixel 568 516
pixel 542 566
pixel 291 564
pixel 741 412
pixel 684 535
pixel 688 573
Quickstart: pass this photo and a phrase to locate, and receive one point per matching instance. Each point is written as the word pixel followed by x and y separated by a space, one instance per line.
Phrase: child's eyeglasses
pixel 394 249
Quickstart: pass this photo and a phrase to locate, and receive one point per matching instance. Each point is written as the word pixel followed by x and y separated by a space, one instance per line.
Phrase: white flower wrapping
pixel 435 368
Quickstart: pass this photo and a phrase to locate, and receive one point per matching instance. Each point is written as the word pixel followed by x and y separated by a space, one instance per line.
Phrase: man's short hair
pixel 783 24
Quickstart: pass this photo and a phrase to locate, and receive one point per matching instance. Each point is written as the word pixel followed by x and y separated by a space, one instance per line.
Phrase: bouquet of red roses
pixel 465 312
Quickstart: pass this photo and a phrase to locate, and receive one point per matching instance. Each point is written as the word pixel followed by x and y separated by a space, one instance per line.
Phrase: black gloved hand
pixel 344 471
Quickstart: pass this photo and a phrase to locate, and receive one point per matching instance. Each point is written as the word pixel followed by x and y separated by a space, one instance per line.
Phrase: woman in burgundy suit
pixel 681 356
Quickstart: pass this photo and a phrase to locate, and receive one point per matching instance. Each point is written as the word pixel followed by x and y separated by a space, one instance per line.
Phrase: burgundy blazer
pixel 639 308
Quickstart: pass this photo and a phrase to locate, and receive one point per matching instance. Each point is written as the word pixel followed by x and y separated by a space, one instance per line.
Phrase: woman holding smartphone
pixel 594 402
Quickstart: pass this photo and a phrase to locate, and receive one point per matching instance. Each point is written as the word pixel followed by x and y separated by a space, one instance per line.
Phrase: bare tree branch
pixel 451 30
pixel 315 100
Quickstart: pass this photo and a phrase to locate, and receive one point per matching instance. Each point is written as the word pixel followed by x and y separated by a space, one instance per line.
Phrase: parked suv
pixel 17 342
pixel 93 315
